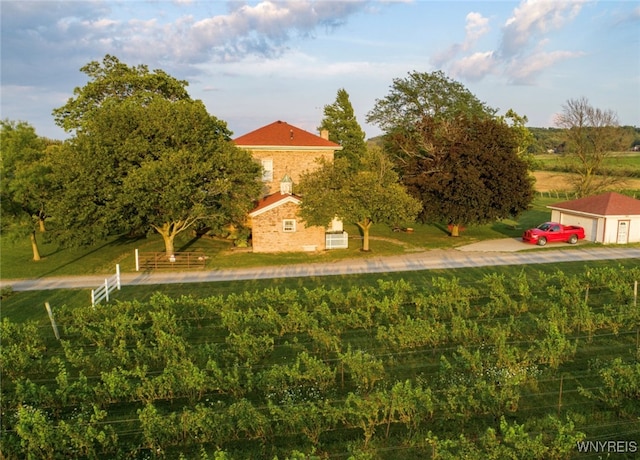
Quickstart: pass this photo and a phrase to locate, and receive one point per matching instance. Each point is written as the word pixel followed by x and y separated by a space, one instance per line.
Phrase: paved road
pixel 428 260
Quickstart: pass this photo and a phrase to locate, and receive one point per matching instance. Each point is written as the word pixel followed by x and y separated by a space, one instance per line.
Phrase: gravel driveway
pixel 428 260
pixel 505 245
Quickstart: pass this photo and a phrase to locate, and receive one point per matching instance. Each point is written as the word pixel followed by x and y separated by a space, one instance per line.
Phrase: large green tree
pixel 369 195
pixel 591 135
pixel 453 153
pixel 145 157
pixel 471 173
pixel 412 99
pixel 25 187
pixel 344 129
pixel 112 80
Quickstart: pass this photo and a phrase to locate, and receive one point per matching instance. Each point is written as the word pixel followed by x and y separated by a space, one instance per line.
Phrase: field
pixel 552 171
pixel 504 362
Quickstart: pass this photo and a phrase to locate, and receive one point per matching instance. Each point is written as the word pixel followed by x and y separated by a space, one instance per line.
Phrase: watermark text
pixel 607 447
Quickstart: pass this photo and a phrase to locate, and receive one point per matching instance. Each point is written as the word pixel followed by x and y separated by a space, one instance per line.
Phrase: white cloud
pixel 534 18
pixel 520 55
pixel 476 26
pixel 524 71
pixel 474 67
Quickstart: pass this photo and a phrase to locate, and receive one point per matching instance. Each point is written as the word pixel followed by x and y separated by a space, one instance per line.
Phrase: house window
pixel 267 170
pixel 289 225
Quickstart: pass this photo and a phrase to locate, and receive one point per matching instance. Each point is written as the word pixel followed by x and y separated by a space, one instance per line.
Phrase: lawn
pixel 16 260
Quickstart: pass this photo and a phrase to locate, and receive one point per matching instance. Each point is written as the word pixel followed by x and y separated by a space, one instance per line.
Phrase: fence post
pixel 54 326
pixel 93 298
pixel 137 255
pixel 106 289
pixel 118 276
pixel 635 293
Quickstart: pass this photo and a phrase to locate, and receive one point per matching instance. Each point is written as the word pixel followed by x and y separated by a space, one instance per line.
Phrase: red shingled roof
pixel 274 200
pixel 281 133
pixel 607 204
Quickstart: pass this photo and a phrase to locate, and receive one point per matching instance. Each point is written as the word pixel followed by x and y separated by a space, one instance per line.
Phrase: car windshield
pixel 544 227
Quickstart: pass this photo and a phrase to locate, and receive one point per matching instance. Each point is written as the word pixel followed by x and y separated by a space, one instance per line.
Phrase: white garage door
pixel 589 224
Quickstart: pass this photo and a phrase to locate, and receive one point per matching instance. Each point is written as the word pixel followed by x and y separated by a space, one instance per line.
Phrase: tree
pixel 591 135
pixel 523 135
pixel 420 96
pixel 114 80
pixel 146 157
pixel 24 181
pixel 367 196
pixel 453 154
pixel 340 120
pixel 470 174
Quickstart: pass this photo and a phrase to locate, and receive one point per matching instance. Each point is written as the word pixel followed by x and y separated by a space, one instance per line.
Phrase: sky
pixel 255 62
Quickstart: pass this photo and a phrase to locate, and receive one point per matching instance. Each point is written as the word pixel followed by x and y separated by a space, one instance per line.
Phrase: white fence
pixel 102 292
pixel 337 240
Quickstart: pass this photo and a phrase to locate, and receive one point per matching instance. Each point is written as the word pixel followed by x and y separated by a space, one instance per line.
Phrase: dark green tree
pixel 25 183
pixel 146 157
pixel 340 120
pixel 463 164
pixel 470 173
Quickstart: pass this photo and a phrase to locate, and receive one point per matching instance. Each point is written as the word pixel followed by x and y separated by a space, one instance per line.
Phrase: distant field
pixel 626 164
pixel 615 158
pixel 559 181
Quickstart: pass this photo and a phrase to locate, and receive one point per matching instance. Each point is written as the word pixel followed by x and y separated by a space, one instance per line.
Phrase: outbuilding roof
pixel 282 134
pixel 606 204
pixel 273 201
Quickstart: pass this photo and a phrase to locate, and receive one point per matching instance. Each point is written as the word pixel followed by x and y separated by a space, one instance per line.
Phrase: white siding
pixel 589 224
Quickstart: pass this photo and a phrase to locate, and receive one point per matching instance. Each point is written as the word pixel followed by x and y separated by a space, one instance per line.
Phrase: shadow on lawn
pixel 119 241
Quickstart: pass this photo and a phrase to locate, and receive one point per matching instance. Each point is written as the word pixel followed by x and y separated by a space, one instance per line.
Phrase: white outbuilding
pixel 609 218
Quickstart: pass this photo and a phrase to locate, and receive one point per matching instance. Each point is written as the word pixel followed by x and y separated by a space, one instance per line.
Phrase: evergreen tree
pixel 340 120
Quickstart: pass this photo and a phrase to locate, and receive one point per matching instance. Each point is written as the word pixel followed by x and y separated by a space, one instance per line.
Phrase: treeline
pixel 554 139
pixel 510 367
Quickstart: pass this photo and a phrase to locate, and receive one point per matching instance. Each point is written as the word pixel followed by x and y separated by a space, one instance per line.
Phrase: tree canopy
pixel 113 80
pixel 369 195
pixel 344 129
pixel 422 95
pixel 463 163
pixel 471 173
pixel 148 160
pixel 24 181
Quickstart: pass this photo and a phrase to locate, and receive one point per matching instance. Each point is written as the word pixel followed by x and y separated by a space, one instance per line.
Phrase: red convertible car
pixel 553 231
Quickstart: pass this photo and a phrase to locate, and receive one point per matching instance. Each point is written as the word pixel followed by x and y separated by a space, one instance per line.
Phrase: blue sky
pixel 254 62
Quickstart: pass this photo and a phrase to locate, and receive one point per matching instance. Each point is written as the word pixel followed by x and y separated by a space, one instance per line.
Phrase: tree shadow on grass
pixel 442 227
pixel 119 241
pixel 189 243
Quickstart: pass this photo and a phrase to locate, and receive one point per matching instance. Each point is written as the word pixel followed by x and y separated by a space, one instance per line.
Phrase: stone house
pixel 285 153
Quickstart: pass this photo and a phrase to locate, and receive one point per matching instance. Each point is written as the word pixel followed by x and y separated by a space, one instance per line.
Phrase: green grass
pixel 16 261
pixel 619 163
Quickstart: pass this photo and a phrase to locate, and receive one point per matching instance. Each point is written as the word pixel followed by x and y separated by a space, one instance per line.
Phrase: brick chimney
pixel 324 134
